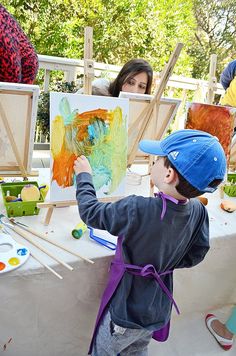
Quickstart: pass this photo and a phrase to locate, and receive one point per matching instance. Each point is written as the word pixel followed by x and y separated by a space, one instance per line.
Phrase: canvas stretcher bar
pixel 18 109
pixel 162 116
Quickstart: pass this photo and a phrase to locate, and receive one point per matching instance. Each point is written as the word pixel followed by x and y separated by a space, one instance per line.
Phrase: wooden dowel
pixel 46 266
pixel 26 236
pixel 42 263
pixel 55 243
pixel 48 216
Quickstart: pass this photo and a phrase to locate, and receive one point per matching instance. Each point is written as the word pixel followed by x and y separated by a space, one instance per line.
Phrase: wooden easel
pixel 63 204
pixel 160 121
pixel 145 116
pixel 151 110
pixel 88 61
pixel 88 77
pixel 212 81
pixel 12 141
pixel 3 115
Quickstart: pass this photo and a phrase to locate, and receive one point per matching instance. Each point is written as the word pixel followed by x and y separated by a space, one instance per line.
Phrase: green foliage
pixel 125 29
pixel 215 34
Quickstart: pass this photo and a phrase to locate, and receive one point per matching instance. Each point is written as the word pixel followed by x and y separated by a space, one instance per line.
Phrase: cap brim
pixel 151 147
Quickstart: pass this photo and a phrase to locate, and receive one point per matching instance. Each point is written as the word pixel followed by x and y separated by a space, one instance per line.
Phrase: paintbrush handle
pixel 56 244
pixel 46 266
pixel 26 236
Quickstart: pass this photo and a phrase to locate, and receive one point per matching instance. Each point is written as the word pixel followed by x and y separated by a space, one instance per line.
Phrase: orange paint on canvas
pixel 214 119
pixel 99 113
pixel 63 168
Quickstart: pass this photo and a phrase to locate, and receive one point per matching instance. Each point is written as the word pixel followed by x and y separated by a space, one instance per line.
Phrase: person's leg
pixel 102 342
pixel 113 340
pixel 231 322
pixel 140 346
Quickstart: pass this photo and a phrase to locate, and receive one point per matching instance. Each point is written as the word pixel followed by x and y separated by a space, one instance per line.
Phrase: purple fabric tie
pixel 150 271
pixel 165 197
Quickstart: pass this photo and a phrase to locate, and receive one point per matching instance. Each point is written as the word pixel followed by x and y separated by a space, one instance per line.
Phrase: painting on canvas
pixel 93 126
pixel 215 119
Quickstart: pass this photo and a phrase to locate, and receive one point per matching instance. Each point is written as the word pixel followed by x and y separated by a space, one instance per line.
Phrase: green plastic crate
pixel 19 208
pixel 230 189
pixel 231 177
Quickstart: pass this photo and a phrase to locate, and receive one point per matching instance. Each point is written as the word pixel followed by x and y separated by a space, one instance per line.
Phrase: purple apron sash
pixel 117 270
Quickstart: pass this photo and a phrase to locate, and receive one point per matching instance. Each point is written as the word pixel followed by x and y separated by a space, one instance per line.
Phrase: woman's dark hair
pixel 130 69
pixel 184 187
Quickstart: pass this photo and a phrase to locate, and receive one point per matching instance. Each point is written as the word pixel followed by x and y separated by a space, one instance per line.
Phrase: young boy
pixel 156 235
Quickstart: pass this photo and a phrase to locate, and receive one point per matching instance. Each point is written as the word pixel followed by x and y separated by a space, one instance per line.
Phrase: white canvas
pixel 19 107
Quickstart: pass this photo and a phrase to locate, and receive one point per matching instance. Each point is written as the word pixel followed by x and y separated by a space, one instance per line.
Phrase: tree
pixel 215 33
pixel 123 29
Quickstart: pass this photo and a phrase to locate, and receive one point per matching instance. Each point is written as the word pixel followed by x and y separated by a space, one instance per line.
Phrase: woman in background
pixel 135 77
pixel 18 60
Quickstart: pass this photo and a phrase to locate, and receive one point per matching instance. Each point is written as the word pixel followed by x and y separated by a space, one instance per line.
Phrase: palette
pixel 12 254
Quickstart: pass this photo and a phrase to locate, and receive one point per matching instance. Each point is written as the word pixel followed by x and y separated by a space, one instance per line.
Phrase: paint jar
pixel 78 231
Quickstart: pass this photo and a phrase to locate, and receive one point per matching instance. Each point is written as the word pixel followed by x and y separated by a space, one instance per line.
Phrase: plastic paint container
pixel 78 231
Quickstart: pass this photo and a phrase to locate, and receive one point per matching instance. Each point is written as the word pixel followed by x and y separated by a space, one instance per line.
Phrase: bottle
pixel 78 231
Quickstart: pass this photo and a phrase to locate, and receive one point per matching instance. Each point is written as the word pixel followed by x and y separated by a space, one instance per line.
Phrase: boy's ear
pixel 170 176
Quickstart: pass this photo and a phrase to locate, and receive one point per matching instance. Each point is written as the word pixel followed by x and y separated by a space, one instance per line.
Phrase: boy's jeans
pixel 112 340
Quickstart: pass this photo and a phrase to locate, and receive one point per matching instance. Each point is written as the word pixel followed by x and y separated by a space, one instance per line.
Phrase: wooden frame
pixel 88 61
pixel 145 115
pixel 161 118
pixel 18 109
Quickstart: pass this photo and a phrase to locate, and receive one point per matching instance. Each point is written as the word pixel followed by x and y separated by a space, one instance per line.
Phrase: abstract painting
pixel 93 126
pixel 214 119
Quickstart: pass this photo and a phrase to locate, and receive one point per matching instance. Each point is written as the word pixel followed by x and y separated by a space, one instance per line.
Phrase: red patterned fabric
pixel 18 60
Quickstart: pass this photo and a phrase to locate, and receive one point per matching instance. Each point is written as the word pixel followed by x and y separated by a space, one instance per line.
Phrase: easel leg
pixel 48 216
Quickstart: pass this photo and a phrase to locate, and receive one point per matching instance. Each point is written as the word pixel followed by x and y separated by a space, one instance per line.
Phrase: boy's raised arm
pixel 113 217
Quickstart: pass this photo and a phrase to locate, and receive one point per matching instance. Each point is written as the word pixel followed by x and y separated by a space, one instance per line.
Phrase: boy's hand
pixel 82 165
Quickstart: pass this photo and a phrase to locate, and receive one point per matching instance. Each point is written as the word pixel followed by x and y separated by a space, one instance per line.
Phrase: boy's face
pixel 158 172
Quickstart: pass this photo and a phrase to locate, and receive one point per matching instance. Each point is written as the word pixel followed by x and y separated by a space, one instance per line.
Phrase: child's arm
pixel 116 217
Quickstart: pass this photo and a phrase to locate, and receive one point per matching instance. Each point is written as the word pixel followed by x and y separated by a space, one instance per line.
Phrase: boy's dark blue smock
pixel 180 240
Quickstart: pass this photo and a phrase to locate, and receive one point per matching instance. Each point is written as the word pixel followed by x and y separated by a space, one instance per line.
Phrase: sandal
pixel 226 344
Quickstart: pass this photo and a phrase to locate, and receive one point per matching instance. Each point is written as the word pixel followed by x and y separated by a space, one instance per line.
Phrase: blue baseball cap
pixel 196 155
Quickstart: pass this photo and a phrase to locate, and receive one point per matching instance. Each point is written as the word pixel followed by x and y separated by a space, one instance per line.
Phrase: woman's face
pixel 136 83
